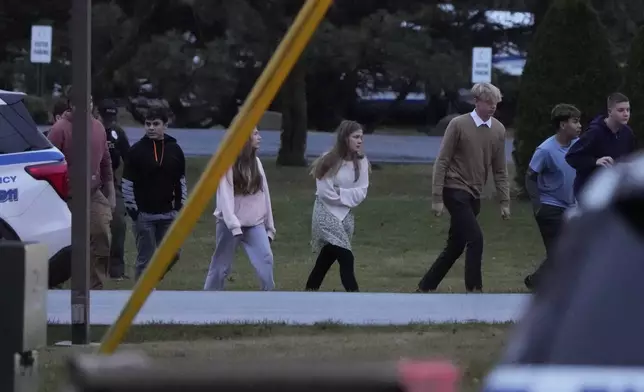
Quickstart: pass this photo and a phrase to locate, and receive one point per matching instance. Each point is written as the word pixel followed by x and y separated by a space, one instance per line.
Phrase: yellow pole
pixel 240 130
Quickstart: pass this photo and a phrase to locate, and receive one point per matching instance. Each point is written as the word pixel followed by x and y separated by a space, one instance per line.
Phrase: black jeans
pixel 328 255
pixel 550 220
pixel 117 249
pixel 464 231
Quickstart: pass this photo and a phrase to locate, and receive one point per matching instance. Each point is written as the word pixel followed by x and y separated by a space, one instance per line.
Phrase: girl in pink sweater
pixel 244 215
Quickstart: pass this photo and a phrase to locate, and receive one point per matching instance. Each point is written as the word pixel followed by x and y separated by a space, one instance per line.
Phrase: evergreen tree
pixel 569 62
pixel 634 85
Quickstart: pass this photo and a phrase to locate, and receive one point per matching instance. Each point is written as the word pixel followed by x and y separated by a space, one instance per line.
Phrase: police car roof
pixel 10 97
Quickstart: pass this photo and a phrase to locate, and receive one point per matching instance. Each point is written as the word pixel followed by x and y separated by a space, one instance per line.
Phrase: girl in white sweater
pixel 342 180
pixel 244 215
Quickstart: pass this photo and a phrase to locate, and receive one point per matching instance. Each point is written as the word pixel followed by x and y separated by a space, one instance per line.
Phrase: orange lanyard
pixel 156 157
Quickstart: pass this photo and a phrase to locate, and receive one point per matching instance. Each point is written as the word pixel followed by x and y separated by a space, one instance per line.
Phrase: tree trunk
pixel 292 150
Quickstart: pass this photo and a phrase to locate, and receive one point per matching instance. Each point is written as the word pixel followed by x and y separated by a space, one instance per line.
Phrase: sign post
pixel 80 172
pixel 481 65
pixel 40 53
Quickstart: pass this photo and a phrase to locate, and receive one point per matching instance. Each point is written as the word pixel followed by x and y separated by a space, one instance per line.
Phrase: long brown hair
pixel 332 160
pixel 247 180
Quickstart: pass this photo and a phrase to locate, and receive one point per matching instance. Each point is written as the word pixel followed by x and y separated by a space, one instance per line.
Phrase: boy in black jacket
pixel 154 185
pixel 607 139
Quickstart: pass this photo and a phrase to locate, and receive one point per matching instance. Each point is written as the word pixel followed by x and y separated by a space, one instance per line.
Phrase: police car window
pixel 18 131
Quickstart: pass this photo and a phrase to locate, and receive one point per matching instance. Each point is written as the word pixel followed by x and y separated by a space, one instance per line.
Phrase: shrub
pixel 570 61
pixel 37 107
pixel 634 85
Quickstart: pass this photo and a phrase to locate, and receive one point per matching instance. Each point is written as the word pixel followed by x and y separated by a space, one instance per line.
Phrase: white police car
pixel 33 187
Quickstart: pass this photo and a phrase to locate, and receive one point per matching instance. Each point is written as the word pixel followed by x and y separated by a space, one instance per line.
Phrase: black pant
pixel 549 219
pixel 328 255
pixel 464 231
pixel 119 229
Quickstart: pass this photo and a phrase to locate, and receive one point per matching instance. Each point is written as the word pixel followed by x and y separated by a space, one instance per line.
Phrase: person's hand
pixel 112 200
pixel 110 195
pixel 437 209
pixel 605 162
pixel 505 212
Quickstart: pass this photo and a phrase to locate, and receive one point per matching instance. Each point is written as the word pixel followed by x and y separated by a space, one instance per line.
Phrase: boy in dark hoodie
pixel 607 139
pixel 154 185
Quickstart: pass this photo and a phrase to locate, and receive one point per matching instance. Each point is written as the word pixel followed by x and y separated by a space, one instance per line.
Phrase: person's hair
pixel 332 160
pixel 157 114
pixel 486 92
pixel 60 106
pixel 563 112
pixel 616 98
pixel 247 180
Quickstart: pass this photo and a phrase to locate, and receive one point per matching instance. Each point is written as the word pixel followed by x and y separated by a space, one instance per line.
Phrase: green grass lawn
pixel 396 238
pixel 473 348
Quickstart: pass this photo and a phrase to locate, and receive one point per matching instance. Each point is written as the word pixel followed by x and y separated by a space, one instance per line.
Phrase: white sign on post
pixel 41 44
pixel 482 65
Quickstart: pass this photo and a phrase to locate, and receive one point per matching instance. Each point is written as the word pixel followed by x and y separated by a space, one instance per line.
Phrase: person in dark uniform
pixel 118 147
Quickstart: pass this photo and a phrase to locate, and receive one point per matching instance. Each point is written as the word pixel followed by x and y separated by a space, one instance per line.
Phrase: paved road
pixel 304 308
pixel 379 148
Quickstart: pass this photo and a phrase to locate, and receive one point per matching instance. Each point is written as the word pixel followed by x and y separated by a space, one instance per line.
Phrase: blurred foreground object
pixel 24 281
pixel 129 372
pixel 585 329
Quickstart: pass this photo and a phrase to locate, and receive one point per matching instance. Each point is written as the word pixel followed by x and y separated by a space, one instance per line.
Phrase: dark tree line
pixel 404 46
pixel 573 59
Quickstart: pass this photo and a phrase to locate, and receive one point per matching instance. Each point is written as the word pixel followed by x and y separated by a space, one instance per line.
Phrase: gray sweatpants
pixel 258 248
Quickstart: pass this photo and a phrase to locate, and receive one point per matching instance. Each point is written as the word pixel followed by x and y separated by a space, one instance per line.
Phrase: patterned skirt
pixel 326 228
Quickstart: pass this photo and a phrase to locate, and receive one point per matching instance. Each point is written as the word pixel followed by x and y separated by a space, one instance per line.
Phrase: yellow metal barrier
pixel 240 130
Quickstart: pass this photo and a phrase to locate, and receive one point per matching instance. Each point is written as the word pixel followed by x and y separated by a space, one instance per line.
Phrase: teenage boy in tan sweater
pixel 473 143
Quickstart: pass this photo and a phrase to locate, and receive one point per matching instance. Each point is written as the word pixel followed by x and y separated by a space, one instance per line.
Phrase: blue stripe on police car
pixel 31 157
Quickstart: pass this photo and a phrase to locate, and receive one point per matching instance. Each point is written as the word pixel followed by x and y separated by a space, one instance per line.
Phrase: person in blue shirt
pixel 607 140
pixel 550 182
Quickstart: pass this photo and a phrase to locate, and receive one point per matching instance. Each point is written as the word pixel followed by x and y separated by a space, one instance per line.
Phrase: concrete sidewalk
pixel 301 308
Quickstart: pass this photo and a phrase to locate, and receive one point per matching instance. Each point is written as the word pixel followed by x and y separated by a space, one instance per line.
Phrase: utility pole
pixel 80 168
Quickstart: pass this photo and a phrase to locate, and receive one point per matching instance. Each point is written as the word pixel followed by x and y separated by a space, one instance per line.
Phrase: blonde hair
pixel 332 160
pixel 247 179
pixel 486 92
